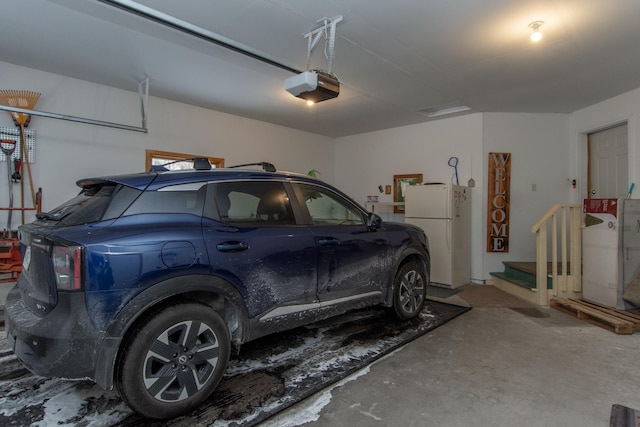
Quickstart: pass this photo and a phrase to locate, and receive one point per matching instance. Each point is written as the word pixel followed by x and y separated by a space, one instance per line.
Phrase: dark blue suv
pixel 147 281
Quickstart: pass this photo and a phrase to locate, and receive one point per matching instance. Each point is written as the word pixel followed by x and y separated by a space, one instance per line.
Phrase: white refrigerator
pixel 443 211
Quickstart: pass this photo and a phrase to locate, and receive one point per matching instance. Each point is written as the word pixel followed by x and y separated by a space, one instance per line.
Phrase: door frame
pixel 581 163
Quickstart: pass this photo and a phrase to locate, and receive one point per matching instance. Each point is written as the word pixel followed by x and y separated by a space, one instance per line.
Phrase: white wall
pixel 364 161
pixel 537 142
pixel 619 109
pixel 67 151
pixel 548 150
pixel 539 160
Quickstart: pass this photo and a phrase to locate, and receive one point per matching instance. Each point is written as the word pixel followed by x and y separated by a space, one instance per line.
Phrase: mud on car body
pixel 146 282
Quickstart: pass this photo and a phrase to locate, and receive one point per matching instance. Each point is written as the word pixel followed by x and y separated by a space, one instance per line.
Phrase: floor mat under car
pixel 269 375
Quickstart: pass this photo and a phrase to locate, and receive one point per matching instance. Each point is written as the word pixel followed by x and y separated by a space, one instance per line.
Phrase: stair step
pixel 531 268
pixel 517 273
pixel 516 279
pixel 522 290
pixel 519 278
pixel 525 271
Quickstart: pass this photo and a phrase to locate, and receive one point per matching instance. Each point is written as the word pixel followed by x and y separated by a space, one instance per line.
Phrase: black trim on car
pixel 184 287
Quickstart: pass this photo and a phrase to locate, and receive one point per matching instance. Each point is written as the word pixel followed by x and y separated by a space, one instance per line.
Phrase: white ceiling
pixel 394 59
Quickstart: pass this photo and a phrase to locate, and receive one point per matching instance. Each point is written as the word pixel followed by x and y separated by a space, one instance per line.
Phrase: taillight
pixel 67 265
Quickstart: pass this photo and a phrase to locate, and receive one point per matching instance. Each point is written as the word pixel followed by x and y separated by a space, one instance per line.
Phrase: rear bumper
pixel 61 344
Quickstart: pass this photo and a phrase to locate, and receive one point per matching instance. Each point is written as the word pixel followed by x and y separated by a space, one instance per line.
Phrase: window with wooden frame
pixel 177 160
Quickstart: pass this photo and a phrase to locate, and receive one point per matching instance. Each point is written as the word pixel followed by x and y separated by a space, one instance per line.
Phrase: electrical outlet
pixel 534 187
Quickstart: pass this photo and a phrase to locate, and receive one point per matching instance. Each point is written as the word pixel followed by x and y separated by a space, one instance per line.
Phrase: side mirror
pixel 373 222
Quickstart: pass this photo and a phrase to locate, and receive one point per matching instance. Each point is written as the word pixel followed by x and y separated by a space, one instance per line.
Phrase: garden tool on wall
pixel 453 162
pixel 8 146
pixel 26 100
pixel 10 257
pixel 15 176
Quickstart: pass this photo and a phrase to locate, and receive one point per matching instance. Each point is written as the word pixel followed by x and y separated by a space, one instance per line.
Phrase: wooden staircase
pixel 519 278
pixel 558 247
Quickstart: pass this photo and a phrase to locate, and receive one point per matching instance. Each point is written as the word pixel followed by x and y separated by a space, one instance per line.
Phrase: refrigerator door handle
pixel 449 244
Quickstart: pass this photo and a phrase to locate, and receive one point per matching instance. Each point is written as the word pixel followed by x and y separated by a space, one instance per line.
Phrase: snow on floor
pixel 309 410
pixel 303 359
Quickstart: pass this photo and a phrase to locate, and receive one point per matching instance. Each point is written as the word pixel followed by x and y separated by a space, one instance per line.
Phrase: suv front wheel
pixel 409 290
pixel 174 360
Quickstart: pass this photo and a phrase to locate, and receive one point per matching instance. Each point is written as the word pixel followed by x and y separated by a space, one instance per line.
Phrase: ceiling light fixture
pixel 536 36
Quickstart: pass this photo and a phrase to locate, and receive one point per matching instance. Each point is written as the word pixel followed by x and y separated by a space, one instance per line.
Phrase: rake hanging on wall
pixel 26 100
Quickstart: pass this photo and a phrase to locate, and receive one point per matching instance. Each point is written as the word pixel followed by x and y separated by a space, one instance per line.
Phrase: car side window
pixel 253 203
pixel 328 208
pixel 180 198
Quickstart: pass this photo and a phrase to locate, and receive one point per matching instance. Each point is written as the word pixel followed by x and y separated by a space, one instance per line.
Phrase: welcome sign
pixel 498 202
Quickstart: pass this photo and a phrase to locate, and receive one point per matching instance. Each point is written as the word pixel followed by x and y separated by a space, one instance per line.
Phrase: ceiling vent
pixel 444 111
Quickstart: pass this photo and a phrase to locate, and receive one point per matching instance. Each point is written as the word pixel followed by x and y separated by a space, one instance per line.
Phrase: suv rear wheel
pixel 410 290
pixel 174 361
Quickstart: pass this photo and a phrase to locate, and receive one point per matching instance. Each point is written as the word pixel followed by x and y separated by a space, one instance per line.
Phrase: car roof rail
pixel 266 166
pixel 201 164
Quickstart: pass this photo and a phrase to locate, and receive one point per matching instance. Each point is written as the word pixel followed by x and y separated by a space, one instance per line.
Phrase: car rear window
pixel 94 203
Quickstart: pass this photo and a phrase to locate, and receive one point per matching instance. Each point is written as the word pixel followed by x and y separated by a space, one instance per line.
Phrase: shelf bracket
pixel 328 30
pixel 143 92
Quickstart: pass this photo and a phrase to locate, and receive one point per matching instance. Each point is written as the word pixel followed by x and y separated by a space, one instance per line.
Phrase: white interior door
pixel 608 164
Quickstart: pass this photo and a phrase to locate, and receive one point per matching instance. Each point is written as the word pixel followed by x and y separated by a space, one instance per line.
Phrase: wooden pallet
pixel 618 321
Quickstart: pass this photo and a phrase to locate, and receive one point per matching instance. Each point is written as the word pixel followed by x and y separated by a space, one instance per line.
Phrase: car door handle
pixel 328 241
pixel 232 246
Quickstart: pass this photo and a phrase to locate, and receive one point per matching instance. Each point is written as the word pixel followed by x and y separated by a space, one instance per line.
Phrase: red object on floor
pixel 10 258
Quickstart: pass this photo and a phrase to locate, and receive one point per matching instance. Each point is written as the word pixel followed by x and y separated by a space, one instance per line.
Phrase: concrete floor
pixel 506 362
pixel 4 290
pixel 503 363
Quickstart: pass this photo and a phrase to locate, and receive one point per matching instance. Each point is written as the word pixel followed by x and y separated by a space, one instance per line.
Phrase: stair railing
pixel 566 252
